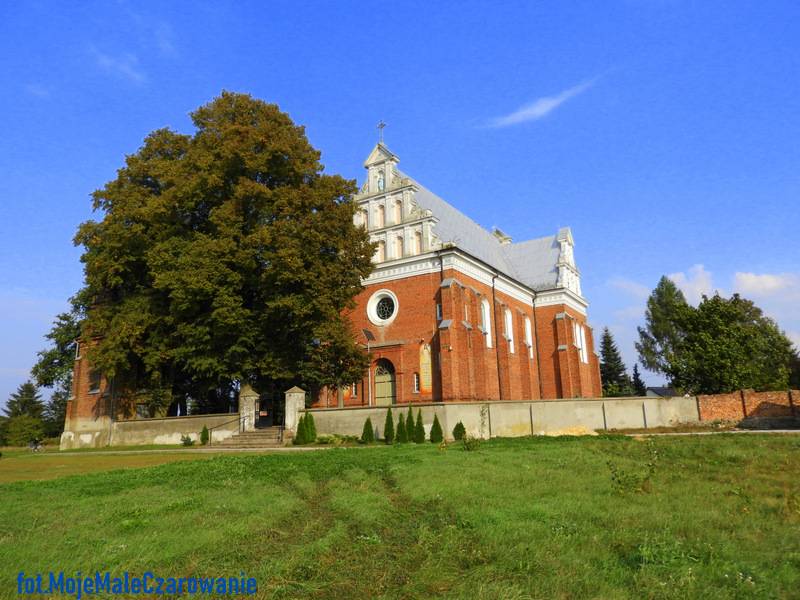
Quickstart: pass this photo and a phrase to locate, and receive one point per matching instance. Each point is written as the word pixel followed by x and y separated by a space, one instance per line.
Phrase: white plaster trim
pixel 562 296
pixel 411 266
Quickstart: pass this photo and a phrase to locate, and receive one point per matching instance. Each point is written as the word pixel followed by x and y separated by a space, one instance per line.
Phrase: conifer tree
pixel 638 385
pixel 367 434
pixel 311 428
pixel 300 437
pixel 410 425
pixel 661 336
pixel 436 431
pixel 388 428
pixel 402 435
pixel 419 429
pixel 612 370
pixel 459 431
pixel 25 401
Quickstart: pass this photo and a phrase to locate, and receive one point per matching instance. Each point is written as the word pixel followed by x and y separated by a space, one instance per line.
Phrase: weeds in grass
pixel 627 481
pixel 470 444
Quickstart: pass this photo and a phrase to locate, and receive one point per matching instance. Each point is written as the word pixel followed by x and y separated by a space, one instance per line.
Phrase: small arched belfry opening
pixel 384 383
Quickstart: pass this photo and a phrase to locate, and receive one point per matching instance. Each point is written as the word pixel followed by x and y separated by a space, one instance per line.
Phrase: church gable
pixel 406 219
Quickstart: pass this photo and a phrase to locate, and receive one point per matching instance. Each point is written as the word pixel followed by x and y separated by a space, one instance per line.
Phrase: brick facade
pixel 464 366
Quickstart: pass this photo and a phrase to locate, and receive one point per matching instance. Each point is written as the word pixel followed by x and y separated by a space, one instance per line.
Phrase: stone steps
pixel 253 439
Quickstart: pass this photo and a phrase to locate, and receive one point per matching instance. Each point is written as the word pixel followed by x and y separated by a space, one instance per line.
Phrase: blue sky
pixel 665 133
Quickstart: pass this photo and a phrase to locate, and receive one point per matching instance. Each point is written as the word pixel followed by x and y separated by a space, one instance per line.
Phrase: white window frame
pixel 438 311
pixel 529 336
pixel 380 251
pixel 508 318
pixel 579 334
pixel 416 383
pixel 372 307
pixel 486 318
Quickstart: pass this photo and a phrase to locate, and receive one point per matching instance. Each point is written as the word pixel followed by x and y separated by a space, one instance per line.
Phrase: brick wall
pixel 464 367
pixel 748 404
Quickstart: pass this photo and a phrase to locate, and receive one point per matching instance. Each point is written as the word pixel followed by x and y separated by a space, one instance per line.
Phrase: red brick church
pixel 453 312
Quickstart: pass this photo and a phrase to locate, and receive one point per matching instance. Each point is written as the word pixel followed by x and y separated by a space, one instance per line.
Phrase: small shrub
pixel 23 429
pixel 187 440
pixel 301 437
pixel 470 444
pixel 419 429
pixel 311 429
pixel 204 436
pixel 388 428
pixel 402 435
pixel 437 437
pixel 367 435
pixel 459 432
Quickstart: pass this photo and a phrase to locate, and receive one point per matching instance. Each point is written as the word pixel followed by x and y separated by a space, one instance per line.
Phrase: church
pixel 450 313
pixel 453 312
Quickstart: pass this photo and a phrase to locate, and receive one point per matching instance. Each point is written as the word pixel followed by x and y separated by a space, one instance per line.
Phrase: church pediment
pixel 380 154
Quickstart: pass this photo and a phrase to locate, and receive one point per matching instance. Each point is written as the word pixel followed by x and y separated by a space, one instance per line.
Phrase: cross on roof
pixel 380 127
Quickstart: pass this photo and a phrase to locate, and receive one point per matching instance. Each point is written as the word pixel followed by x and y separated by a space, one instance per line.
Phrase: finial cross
pixel 380 127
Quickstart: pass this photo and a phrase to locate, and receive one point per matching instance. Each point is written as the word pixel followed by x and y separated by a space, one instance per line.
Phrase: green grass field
pixel 603 517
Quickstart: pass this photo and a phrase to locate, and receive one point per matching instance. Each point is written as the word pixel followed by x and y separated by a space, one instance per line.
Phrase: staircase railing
pixel 242 426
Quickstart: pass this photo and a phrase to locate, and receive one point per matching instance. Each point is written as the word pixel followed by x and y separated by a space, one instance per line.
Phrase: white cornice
pixel 457 260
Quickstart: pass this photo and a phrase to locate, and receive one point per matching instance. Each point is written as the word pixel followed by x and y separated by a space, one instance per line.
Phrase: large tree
pixel 612 369
pixel 659 339
pixel 728 344
pixel 224 256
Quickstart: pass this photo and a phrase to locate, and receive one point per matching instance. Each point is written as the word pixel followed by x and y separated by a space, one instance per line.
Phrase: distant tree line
pixel 722 345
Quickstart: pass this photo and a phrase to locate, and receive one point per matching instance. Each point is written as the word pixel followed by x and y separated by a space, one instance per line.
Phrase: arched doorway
pixel 384 383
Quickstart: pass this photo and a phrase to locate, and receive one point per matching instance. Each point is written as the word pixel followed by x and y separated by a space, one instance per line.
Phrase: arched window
pixel 485 322
pixel 418 242
pixel 380 217
pixel 363 219
pixel 398 211
pixel 579 335
pixel 398 247
pixel 509 329
pixel 380 252
pixel 529 337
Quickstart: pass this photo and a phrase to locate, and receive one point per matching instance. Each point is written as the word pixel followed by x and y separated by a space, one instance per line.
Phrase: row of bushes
pixel 408 430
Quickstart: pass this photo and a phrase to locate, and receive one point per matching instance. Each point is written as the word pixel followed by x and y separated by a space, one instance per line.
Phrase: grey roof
pixel 532 262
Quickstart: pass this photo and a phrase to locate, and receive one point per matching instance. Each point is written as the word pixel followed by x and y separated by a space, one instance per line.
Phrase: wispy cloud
pixel 630 287
pixel 541 107
pixel 125 65
pixel 37 90
pixel 767 284
pixel 695 283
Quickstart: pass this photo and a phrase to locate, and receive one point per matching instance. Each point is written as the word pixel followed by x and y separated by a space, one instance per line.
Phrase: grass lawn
pixel 22 464
pixel 595 517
